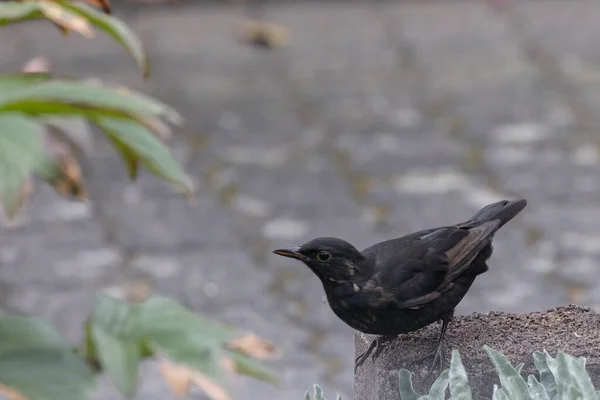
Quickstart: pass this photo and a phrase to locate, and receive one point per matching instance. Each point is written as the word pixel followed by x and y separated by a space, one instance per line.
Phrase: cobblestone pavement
pixel 375 121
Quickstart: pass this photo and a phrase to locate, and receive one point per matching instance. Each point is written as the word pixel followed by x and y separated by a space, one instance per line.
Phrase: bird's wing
pixel 426 267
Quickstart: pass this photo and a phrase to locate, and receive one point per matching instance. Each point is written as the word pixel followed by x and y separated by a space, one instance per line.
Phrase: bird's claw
pixel 377 345
pixel 437 359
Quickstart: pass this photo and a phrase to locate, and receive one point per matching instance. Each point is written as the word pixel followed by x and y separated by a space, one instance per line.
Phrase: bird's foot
pixel 377 345
pixel 437 355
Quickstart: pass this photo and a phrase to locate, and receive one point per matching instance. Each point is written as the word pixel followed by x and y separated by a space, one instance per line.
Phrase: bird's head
pixel 332 260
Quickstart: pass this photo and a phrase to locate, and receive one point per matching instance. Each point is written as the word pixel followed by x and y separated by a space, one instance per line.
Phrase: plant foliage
pixel 44 132
pixel 318 394
pixel 561 378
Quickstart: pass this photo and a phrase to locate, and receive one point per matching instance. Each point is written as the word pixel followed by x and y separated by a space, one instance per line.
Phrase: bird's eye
pixel 323 256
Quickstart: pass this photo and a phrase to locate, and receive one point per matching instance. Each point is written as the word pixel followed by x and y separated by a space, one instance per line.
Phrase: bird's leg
pixel 377 344
pixel 437 353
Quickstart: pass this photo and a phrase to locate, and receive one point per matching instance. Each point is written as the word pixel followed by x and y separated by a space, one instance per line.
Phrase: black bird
pixel 404 284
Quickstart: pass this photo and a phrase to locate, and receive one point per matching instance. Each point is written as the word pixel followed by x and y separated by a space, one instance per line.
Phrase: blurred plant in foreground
pixel 44 132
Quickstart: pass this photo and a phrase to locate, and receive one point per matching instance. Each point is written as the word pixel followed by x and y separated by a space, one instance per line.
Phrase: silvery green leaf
pixel 563 374
pixel 519 367
pixel 510 379
pixel 546 377
pixel 500 394
pixel 438 389
pixel 319 393
pixel 580 377
pixel 536 389
pixel 407 392
pixel 459 384
pixel 568 391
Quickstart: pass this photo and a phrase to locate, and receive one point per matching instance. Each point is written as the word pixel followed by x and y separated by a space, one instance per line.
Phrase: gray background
pixel 377 120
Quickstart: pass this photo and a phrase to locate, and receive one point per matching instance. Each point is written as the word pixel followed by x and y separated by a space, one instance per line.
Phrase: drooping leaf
pixel 136 142
pixel 38 363
pixel 193 347
pixel 9 82
pixel 21 149
pixel 68 97
pixel 459 384
pixel 72 131
pixel 13 12
pixel 119 357
pixel 116 29
pixel 65 19
pixel 246 366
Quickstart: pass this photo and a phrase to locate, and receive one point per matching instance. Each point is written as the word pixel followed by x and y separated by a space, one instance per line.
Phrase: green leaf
pixel 163 325
pixel 536 389
pixel 438 389
pixel 459 384
pixel 510 379
pixel 407 391
pixel 120 359
pixel 38 363
pixel 130 159
pixel 21 150
pixel 60 96
pixel 73 131
pixel 19 80
pixel 133 140
pixel 14 12
pixel 546 377
pixel 115 28
pixel 246 366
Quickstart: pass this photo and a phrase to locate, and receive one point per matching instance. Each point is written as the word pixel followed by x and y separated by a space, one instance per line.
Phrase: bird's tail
pixel 502 211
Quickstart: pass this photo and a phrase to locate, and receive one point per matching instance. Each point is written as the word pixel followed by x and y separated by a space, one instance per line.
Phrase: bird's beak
pixel 292 252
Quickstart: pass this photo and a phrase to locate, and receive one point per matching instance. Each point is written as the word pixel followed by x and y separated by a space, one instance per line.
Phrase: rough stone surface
pixel 572 329
pixel 378 119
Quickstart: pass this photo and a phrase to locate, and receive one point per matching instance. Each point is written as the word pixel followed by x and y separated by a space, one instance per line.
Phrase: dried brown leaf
pixel 68 181
pixel 255 347
pixel 67 21
pixel 103 4
pixel 180 378
pixel 264 34
pixel 159 128
pixel 11 394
